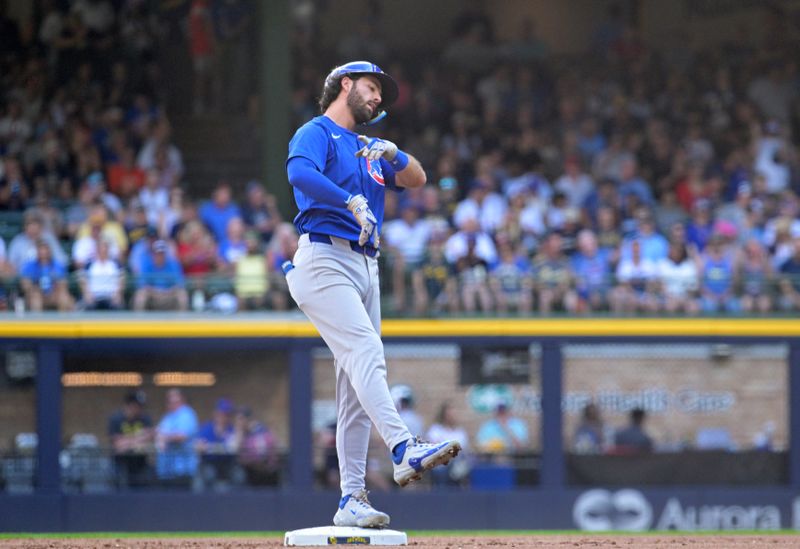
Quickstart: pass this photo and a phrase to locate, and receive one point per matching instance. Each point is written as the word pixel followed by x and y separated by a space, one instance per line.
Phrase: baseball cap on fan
pixel 159 246
pixel 136 397
pixel 225 405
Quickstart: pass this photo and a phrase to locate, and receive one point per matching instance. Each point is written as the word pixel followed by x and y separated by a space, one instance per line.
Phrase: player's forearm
pixel 412 175
pixel 304 176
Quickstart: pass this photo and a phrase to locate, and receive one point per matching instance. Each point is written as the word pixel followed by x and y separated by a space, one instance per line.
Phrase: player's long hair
pixel 331 89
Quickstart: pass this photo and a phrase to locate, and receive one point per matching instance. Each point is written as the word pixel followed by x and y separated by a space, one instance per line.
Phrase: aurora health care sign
pixel 633 510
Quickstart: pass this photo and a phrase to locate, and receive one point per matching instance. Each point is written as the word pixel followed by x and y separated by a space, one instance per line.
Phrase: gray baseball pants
pixel 338 290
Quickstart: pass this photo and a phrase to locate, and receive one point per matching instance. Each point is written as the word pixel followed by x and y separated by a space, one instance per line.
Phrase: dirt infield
pixel 451 542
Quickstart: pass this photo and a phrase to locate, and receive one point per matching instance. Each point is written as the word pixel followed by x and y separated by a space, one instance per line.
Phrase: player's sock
pixel 398 452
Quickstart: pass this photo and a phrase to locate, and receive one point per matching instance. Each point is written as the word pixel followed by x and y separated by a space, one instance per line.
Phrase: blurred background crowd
pixel 624 180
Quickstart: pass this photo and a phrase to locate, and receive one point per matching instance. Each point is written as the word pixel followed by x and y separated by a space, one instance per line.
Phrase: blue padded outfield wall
pixel 552 504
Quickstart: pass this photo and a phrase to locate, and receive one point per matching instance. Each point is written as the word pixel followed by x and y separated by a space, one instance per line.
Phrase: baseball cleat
pixel 356 510
pixel 415 456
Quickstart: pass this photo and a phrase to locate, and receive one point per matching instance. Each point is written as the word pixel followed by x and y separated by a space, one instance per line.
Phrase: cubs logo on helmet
pixel 375 171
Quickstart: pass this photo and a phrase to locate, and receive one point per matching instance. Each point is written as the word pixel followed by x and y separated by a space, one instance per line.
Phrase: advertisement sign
pixel 627 509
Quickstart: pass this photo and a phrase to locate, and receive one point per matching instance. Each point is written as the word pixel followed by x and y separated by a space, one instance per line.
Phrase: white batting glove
pixel 358 206
pixel 375 148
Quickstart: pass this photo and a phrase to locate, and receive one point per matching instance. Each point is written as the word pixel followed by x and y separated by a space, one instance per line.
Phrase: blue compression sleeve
pixel 305 176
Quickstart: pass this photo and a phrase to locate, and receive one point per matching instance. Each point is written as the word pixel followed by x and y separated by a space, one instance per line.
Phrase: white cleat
pixel 419 456
pixel 356 510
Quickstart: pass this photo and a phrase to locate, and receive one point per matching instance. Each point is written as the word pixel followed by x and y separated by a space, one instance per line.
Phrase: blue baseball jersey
pixel 332 148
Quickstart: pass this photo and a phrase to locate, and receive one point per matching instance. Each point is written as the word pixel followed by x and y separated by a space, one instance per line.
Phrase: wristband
pixel 400 161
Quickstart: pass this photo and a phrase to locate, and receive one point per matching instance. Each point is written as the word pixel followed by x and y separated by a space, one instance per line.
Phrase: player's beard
pixel 360 109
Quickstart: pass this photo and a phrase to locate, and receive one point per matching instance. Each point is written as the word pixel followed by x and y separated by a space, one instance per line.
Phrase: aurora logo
pixel 600 510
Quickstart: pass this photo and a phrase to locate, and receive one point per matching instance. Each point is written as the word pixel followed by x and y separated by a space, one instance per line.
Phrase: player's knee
pixel 364 351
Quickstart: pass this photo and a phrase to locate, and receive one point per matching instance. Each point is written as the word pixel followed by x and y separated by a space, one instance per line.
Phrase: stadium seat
pixel 85 467
pixel 490 476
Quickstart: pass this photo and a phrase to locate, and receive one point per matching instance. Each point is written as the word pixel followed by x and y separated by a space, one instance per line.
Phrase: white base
pixel 343 535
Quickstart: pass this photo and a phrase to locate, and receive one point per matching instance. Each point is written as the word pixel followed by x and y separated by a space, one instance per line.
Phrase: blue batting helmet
pixel 365 68
pixel 389 91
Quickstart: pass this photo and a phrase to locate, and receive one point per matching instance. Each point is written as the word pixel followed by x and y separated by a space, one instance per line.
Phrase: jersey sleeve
pixel 310 142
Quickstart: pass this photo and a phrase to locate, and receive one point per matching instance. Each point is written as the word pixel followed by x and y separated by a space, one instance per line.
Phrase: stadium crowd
pixel 628 180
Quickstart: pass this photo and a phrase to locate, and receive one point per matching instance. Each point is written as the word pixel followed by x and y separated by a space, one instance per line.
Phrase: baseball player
pixel 339 179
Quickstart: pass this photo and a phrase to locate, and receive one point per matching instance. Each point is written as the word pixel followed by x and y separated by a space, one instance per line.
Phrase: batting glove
pixel 358 206
pixel 375 148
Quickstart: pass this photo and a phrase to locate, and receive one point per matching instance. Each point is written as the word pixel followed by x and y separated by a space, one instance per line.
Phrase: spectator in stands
pixel 97 185
pixel 633 438
pixel 125 178
pixel 251 280
pixel 754 272
pixel 215 446
pixel 52 174
pixel 511 281
pixel 153 197
pixel 483 204
pixel 174 439
pixel 160 284
pixel 78 211
pixel 782 229
pixel 159 154
pixel 52 219
pixel 701 226
pixel 15 190
pixel 109 228
pixel 217 213
pixel 790 280
pixel 142 249
pixel 85 250
pixel 457 246
pixel 173 215
pixel 591 267
pixel 197 253
pixel 260 211
pixel 103 280
pixel 44 281
pixel 589 436
pixel 328 469
pixel 281 248
pixel 574 183
pixel 608 164
pixel 553 277
pixel 717 282
pixel 403 397
pixel 446 427
pixel 435 288
pixel 233 247
pixel 472 272
pixel 678 280
pixel 131 433
pixel 653 246
pixel 609 237
pixel 635 283
pixel 22 248
pixel 405 240
pixel 503 433
pixel 257 449
pixel 135 222
pixel 7 271
pixel 736 212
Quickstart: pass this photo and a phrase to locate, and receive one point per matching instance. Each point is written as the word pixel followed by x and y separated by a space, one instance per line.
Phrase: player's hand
pixel 375 148
pixel 358 206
